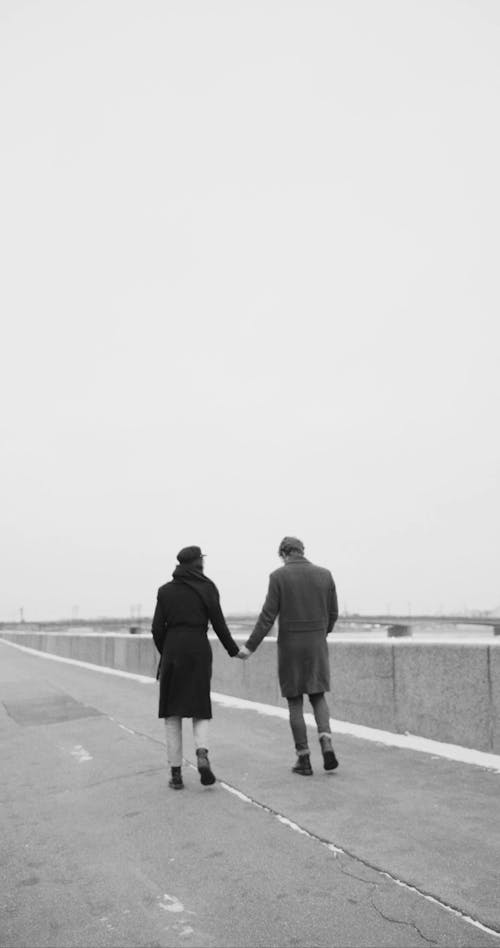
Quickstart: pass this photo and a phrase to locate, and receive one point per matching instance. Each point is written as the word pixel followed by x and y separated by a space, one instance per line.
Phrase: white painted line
pixel 411 742
pixel 281 819
pixel 299 829
pixel 80 753
pixel 491 761
pixel 171 904
pixel 338 851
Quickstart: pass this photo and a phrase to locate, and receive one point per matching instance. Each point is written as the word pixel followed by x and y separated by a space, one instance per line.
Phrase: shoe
pixel 303 766
pixel 330 762
pixel 176 782
pixel 207 778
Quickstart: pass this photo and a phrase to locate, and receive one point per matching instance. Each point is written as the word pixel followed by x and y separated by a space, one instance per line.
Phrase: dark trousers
pixel 298 725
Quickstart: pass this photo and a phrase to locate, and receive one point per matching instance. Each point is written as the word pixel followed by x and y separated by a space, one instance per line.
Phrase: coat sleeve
pixel 267 616
pixel 333 607
pixel 158 626
pixel 219 625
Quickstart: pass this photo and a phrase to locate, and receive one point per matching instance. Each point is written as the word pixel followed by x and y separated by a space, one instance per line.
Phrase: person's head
pixel 289 546
pixel 191 556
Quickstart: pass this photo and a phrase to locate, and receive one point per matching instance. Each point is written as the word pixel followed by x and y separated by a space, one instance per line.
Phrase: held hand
pixel 243 653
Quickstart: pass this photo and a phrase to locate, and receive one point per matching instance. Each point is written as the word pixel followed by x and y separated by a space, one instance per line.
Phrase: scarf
pixel 196 580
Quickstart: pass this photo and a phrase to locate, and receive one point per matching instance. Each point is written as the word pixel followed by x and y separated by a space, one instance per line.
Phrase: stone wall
pixel 446 692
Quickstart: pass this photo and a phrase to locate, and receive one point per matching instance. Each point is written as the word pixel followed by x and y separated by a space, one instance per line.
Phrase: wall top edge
pixel 336 641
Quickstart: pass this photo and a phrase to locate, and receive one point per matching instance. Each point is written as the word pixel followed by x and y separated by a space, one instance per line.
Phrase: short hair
pixel 290 545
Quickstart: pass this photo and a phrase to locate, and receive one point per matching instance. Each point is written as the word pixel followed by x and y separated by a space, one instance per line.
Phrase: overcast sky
pixel 250 287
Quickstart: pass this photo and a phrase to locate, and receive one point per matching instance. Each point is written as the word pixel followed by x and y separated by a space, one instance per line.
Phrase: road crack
pixel 339 851
pixel 399 921
pixel 353 876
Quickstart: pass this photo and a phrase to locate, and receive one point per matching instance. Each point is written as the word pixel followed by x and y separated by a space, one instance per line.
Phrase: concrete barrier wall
pixel 447 692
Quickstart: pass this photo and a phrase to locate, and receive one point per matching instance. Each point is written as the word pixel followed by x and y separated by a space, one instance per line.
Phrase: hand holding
pixel 244 653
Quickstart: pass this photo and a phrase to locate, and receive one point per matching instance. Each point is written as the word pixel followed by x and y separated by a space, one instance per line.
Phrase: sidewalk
pixel 97 850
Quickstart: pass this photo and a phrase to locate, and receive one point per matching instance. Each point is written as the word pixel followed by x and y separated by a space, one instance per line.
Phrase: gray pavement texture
pixel 392 849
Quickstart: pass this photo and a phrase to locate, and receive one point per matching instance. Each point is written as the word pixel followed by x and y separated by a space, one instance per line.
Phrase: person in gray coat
pixel 305 599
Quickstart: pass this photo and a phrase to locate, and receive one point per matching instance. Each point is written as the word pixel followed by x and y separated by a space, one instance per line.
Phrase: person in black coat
pixel 180 623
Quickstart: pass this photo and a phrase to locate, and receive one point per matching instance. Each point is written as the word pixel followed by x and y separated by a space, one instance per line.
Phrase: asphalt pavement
pixel 395 848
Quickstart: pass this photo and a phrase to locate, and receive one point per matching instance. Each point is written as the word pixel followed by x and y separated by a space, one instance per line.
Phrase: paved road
pixel 96 850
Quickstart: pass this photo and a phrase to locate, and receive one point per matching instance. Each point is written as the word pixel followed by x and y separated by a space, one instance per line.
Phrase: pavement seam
pixel 329 845
pixel 333 848
pixel 337 850
pixel 135 773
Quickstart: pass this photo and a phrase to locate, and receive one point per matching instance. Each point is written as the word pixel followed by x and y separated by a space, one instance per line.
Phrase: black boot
pixel 330 762
pixel 303 766
pixel 205 771
pixel 176 782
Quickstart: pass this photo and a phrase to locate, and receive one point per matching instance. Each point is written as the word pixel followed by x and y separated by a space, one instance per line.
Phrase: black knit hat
pixel 189 553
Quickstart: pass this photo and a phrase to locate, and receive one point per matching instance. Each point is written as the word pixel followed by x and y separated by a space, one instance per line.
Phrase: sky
pixel 249 289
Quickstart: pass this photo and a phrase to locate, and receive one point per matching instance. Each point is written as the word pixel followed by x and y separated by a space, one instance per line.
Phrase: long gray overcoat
pixel 305 599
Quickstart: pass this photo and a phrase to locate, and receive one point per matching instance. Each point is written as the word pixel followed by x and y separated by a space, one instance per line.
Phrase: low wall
pixel 447 692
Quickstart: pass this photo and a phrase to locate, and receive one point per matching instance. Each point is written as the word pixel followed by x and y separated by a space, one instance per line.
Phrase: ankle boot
pixel 330 762
pixel 176 782
pixel 303 766
pixel 207 778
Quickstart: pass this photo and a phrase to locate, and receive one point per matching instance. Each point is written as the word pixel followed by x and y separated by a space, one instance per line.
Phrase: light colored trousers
pixel 173 731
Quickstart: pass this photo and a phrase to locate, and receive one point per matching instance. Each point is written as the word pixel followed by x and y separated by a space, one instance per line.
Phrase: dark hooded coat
pixel 184 608
pixel 305 599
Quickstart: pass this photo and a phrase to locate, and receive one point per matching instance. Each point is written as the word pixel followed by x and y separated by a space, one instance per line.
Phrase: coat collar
pixel 296 559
